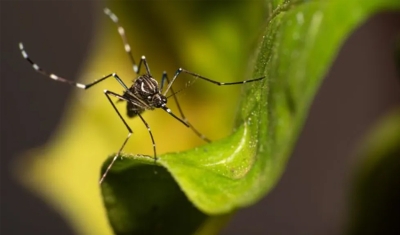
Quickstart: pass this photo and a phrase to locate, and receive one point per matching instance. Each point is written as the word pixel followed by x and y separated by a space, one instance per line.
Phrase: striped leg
pixel 61 79
pixel 121 31
pixel 127 47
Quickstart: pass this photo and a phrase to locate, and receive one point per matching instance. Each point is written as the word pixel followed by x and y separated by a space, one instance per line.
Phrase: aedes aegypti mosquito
pixel 143 94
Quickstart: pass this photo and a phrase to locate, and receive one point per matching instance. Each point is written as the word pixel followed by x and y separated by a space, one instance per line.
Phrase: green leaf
pixel 153 211
pixel 298 44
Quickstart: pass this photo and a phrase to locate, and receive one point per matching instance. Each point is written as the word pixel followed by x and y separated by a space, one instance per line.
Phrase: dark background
pixel 361 86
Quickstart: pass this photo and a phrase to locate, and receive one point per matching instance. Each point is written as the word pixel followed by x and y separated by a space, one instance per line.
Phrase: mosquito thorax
pixel 145 85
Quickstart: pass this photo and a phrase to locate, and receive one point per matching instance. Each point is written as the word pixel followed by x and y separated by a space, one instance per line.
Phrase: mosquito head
pixel 157 100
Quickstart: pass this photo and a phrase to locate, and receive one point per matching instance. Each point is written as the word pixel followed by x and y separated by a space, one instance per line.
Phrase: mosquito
pixel 144 94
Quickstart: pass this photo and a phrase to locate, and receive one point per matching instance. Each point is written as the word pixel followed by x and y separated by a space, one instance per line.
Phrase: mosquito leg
pixel 121 32
pixel 60 79
pixel 146 65
pixel 108 93
pixel 203 137
pixel 114 75
pixel 151 136
pixel 181 70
